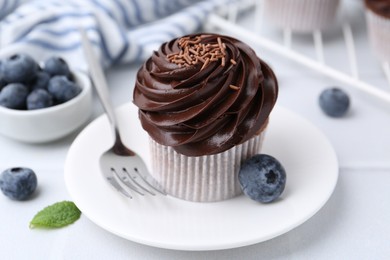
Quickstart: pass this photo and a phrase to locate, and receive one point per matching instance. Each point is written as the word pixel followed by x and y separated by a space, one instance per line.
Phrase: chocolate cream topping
pixel 380 7
pixel 203 94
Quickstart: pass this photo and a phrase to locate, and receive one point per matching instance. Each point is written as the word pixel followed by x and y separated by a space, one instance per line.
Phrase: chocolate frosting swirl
pixel 380 7
pixel 203 110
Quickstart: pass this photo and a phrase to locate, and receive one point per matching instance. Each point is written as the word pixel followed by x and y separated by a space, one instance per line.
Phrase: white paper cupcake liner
pixel 301 15
pixel 379 35
pixel 203 178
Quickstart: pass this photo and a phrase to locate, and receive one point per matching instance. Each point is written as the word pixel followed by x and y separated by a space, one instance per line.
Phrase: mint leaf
pixel 58 215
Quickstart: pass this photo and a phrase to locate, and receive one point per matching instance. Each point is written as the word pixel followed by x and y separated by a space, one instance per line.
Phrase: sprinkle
pixel 187 58
pixel 197 40
pixel 193 51
pixel 223 62
pixel 234 87
pixel 206 62
pixel 171 55
pixel 223 51
pixel 233 62
pixel 178 61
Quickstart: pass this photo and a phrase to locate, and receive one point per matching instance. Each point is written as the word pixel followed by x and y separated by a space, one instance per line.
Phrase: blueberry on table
pixel 19 68
pixel 18 183
pixel 63 89
pixel 334 102
pixel 56 66
pixel 14 96
pixel 262 178
pixel 39 98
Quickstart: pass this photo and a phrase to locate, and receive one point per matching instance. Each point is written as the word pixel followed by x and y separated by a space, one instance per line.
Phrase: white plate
pixel 166 222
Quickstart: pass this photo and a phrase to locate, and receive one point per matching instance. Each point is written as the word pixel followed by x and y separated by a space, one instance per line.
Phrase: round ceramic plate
pixel 167 222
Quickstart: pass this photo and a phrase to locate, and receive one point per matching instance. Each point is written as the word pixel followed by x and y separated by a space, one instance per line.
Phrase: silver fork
pixel 121 167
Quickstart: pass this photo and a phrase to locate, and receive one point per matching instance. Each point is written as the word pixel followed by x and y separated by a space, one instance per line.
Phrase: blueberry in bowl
pixel 40 108
pixel 41 80
pixel 19 68
pixel 39 98
pixel 2 80
pixel 14 96
pixel 56 66
pixel 62 88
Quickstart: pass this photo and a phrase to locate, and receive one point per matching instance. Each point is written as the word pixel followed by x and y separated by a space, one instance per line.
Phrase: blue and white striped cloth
pixel 122 31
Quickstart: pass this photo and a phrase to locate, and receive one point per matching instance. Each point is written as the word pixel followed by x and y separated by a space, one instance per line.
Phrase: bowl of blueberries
pixel 42 101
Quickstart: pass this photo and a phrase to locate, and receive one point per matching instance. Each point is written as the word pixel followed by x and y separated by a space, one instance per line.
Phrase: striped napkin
pixel 121 31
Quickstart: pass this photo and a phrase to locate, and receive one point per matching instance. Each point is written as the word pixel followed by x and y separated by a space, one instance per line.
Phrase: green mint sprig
pixel 58 215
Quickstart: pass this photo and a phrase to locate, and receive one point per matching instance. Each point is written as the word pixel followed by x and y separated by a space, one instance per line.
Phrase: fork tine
pixel 116 185
pixel 123 183
pixel 155 186
pixel 137 183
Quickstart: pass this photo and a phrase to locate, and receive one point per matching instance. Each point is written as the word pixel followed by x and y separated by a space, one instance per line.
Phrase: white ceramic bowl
pixel 52 123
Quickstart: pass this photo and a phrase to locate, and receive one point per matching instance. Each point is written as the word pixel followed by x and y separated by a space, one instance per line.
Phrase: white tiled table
pixel 354 224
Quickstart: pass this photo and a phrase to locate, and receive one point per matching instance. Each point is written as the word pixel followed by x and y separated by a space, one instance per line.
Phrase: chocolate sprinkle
pixel 193 52
pixel 234 87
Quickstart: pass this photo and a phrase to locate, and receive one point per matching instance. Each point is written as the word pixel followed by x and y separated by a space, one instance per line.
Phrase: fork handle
pixel 99 80
pixel 100 83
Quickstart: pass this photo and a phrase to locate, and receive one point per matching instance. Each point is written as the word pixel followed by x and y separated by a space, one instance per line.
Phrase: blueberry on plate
pixel 20 68
pixel 334 102
pixel 14 96
pixel 18 183
pixel 63 89
pixel 56 66
pixel 39 98
pixel 41 80
pixel 262 178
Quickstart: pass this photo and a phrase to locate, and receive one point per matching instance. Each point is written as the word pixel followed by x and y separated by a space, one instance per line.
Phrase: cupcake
pixel 378 23
pixel 301 15
pixel 204 100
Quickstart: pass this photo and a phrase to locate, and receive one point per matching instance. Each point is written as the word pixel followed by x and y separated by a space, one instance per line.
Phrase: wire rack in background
pixel 226 20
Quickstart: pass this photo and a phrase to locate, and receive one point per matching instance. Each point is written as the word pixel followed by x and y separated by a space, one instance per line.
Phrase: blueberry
pixel 14 96
pixel 41 80
pixel 2 83
pixel 56 66
pixel 262 178
pixel 63 89
pixel 2 80
pixel 39 98
pixel 334 102
pixel 19 68
pixel 18 183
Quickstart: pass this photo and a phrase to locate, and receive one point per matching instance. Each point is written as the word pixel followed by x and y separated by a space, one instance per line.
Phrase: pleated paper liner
pixel 203 178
